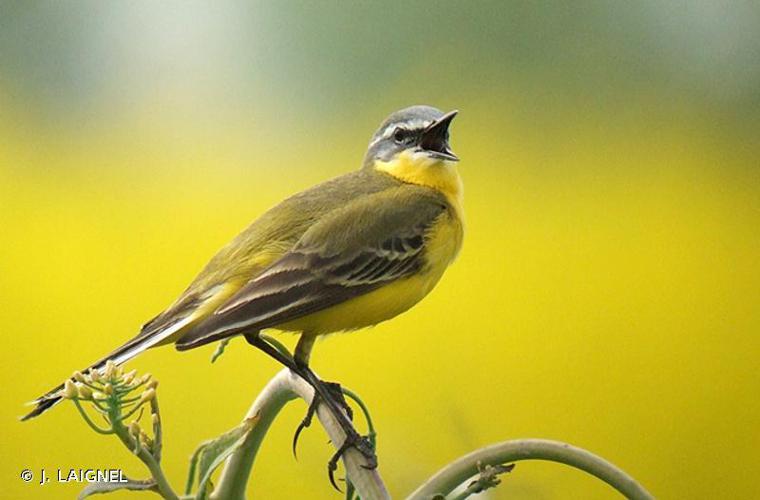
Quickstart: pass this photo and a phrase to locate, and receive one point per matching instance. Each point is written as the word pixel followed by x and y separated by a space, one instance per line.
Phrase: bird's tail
pixel 53 397
pixel 148 337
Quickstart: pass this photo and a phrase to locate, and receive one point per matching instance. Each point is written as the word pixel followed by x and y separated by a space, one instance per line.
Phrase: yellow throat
pixel 421 169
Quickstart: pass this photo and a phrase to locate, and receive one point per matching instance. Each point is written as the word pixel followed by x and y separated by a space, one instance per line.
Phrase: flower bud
pixel 134 428
pixel 85 392
pixel 78 376
pixel 145 378
pixel 99 396
pixel 69 390
pixel 94 374
pixel 152 384
pixel 108 389
pixel 147 396
pixel 108 369
pixel 129 377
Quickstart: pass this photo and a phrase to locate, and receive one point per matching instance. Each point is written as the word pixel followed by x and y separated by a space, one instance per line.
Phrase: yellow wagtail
pixel 346 254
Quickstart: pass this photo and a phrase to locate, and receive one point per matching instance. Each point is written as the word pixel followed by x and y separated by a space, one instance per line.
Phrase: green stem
pixel 132 412
pixel 193 466
pixel 98 406
pixel 164 488
pixel 371 434
pixel 284 387
pixel 451 476
pixel 158 436
pixel 92 386
pixel 236 472
pixel 370 425
pixel 87 419
pixel 485 481
pixel 162 484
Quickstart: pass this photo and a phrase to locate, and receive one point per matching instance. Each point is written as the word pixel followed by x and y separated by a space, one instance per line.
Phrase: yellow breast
pixel 443 241
pixel 443 176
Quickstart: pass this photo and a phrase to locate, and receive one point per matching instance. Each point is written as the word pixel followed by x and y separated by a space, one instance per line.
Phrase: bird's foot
pixel 353 440
pixel 336 393
pixel 306 422
pixel 331 395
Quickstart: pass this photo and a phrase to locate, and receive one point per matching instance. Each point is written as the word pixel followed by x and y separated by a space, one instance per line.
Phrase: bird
pixel 346 254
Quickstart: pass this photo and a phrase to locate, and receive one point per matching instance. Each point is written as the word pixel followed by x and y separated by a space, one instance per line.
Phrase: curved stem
pixel 162 484
pixel 459 471
pixel 284 387
pixel 370 424
pixel 88 420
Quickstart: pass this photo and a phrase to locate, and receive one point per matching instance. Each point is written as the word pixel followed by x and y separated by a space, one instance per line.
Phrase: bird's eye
pixel 401 136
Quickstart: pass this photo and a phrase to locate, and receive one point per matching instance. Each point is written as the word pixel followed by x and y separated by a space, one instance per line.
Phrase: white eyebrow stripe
pixel 410 125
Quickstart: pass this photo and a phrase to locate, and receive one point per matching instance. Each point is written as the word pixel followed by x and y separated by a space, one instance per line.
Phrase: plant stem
pixel 164 489
pixel 88 420
pixel 454 474
pixel 133 443
pixel 284 387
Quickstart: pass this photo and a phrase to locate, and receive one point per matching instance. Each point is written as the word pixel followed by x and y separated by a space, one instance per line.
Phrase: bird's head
pixel 418 136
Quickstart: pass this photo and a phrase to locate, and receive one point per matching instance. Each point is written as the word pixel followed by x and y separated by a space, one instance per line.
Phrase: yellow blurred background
pixel 608 293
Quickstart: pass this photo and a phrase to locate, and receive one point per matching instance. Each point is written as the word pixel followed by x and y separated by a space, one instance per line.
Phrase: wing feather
pixel 374 250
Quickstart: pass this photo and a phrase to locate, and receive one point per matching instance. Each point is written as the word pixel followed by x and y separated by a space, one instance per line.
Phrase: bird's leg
pixel 301 358
pixel 256 341
pixel 324 392
pixel 353 438
pixel 337 393
pixel 332 395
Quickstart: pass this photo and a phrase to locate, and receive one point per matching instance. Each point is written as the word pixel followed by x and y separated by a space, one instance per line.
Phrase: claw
pixel 362 445
pixel 332 465
pixel 306 422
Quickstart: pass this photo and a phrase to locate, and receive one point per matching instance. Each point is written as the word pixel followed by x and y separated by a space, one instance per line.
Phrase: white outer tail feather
pixel 51 398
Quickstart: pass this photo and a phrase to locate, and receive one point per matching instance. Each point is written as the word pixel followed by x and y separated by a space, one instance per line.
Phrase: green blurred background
pixel 608 293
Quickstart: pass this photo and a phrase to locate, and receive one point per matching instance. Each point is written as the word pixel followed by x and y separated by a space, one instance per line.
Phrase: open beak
pixel 435 138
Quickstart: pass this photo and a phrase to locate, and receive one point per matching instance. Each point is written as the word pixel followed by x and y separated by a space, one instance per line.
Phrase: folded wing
pixel 359 248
